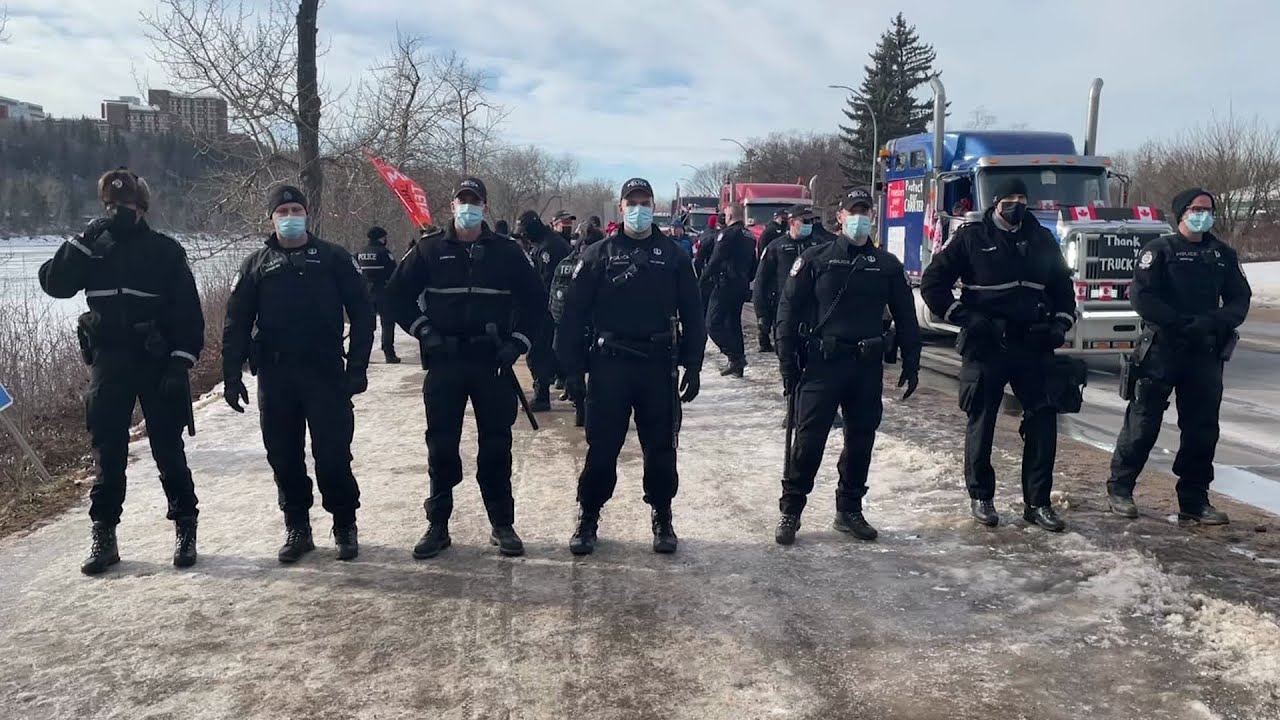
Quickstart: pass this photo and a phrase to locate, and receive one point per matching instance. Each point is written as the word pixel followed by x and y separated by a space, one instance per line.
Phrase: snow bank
pixel 1264 279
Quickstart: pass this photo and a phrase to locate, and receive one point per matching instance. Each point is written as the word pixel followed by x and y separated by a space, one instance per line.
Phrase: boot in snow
pixel 433 541
pixel 507 540
pixel 853 523
pixel 788 526
pixel 1207 515
pixel 1045 517
pixel 297 542
pixel 541 398
pixel 664 535
pixel 392 358
pixel 347 538
pixel 583 541
pixel 735 367
pixel 984 511
pixel 184 550
pixel 1122 505
pixel 103 553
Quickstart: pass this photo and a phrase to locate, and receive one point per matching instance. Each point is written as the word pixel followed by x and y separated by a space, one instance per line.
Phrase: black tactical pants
pixel 293 399
pixel 766 316
pixel 724 321
pixel 542 357
pixel 616 387
pixel 982 384
pixel 117 383
pixel 449 384
pixel 854 387
pixel 382 306
pixel 1198 384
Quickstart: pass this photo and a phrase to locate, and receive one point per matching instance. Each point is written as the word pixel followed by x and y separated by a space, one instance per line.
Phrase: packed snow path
pixel 939 619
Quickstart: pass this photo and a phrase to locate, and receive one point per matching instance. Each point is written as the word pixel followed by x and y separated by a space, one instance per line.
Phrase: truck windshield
pixel 697 220
pixel 762 213
pixel 1048 188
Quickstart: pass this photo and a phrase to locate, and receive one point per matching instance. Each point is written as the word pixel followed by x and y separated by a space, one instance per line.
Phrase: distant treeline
pixel 49 172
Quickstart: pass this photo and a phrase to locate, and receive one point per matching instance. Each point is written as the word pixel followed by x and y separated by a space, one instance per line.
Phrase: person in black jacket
pixel 376 265
pixel 285 318
pixel 473 300
pixel 838 292
pixel 546 248
pixel 1016 307
pixel 1192 294
pixel 728 273
pixel 775 264
pixel 142 334
pixel 636 293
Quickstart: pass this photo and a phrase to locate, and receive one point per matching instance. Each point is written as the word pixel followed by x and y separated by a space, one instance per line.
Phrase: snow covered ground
pixel 939 619
pixel 1264 279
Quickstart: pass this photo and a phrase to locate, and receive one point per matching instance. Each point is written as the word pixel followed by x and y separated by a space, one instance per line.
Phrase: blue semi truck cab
pixel 932 184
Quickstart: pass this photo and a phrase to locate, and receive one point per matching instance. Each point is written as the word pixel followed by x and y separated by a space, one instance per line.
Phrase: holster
pixel 87 327
pixel 1128 378
pixel 1065 383
pixel 1229 346
pixel 890 346
pixel 833 349
pixel 1142 348
pixel 153 342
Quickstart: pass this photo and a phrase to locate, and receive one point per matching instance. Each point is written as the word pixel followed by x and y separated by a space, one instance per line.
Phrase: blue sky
pixel 640 88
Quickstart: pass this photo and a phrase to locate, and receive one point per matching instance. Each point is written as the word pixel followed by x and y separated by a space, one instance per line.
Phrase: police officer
pixel 775 264
pixel 1192 294
pixel 562 223
pixel 636 292
pixel 776 228
pixel 143 332
pixel 473 300
pixel 728 273
pixel 285 318
pixel 547 248
pixel 376 265
pixel 831 349
pixel 1015 308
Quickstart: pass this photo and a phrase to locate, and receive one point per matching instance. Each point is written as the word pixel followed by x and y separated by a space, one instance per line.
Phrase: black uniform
pixel 1191 296
pixel 771 278
pixel 446 292
pixel 702 250
pixel 728 273
pixel 626 292
pixel 376 265
pixel 144 317
pixel 547 250
pixel 285 318
pixel 839 292
pixel 1016 289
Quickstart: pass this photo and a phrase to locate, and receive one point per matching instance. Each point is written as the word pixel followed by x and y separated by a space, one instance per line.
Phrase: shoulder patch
pixel 796 266
pixel 578 268
pixel 1144 262
pixel 355 263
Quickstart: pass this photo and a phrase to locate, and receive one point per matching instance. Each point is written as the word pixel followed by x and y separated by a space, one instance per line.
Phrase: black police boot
pixel 984 511
pixel 1122 505
pixel 664 535
pixel 765 344
pixel 559 383
pixel 103 553
pixel 788 526
pixel 184 549
pixel 853 523
pixel 433 541
pixel 735 367
pixel 583 541
pixel 541 398
pixel 507 540
pixel 297 542
pixel 1045 517
pixel 392 358
pixel 1207 515
pixel 347 538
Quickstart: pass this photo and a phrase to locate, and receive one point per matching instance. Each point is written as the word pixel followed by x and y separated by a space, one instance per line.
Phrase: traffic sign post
pixel 6 402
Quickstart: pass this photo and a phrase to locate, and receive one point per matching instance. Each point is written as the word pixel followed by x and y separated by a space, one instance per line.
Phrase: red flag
pixel 410 193
pixel 1083 212
pixel 1143 212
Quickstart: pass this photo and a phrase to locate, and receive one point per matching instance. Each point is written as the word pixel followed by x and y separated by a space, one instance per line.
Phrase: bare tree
pixel 307 119
pixel 4 22
pixel 980 119
pixel 708 179
pixel 472 128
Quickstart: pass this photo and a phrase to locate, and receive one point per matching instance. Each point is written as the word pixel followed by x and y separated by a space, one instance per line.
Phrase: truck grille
pixel 1112 256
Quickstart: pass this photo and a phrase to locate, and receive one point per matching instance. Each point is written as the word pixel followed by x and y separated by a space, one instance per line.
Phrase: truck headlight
pixel 1073 255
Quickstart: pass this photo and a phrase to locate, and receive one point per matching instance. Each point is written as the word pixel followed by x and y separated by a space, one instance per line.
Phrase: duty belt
pixel 655 347
pixel 833 348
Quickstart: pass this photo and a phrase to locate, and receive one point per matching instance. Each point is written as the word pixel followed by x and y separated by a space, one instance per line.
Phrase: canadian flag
pixel 1083 212
pixel 1104 292
pixel 1143 212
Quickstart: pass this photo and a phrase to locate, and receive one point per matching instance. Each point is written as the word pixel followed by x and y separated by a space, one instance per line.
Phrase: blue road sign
pixel 5 400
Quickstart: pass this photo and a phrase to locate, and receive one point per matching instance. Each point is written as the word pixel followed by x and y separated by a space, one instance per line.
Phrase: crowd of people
pixel 618 319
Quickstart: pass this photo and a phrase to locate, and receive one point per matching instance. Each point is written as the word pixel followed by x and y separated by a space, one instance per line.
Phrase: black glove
pixel 234 392
pixel 690 384
pixel 94 235
pixel 576 387
pixel 1047 336
pixel 1199 327
pixel 790 376
pixel 509 352
pixel 174 380
pixel 911 378
pixel 357 380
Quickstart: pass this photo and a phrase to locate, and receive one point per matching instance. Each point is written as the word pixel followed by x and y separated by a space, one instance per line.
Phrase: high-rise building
pixel 11 109
pixel 129 114
pixel 197 114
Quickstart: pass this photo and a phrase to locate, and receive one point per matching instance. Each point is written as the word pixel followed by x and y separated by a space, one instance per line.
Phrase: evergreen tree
pixel 900 64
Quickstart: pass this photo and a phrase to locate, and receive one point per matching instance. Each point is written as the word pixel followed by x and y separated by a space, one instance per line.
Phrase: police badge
pixel 795 267
pixel 1148 257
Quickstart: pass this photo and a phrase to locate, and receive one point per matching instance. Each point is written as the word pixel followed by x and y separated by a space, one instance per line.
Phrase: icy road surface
pixel 939 619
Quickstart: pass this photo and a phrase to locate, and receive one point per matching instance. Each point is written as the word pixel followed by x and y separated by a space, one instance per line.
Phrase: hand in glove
pixel 509 352
pixel 576 387
pixel 790 376
pixel 93 235
pixel 1047 336
pixel 357 380
pixel 234 392
pixel 1199 327
pixel 690 385
pixel 911 379
pixel 174 380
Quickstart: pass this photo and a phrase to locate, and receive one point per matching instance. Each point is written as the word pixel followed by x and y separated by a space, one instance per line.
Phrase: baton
pixel 491 329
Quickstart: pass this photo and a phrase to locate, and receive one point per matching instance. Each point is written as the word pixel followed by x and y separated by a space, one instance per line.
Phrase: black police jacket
pixel 547 252
pixel 376 264
pixel 456 288
pixel 292 301
pixel 143 280
pixel 1176 280
pixel 865 280
pixel 772 232
pixel 732 258
pixel 631 288
pixel 1020 278
pixel 775 264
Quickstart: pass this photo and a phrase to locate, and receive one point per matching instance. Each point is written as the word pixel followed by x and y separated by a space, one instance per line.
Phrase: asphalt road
pixel 1248 459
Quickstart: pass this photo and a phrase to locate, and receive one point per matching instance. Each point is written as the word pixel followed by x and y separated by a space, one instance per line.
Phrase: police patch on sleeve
pixel 795 267
pixel 546 257
pixel 1144 262
pixel 356 264
pixel 578 268
pixel 235 282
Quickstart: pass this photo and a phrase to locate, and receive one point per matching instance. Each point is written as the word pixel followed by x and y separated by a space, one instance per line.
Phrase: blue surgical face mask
pixel 639 218
pixel 1200 222
pixel 291 228
pixel 469 216
pixel 805 231
pixel 857 226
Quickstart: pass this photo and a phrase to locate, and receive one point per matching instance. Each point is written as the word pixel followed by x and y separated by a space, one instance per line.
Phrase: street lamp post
pixel 875 127
pixel 751 154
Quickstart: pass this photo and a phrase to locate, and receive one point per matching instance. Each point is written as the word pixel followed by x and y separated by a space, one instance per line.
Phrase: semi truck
pixel 935 182
pixel 761 200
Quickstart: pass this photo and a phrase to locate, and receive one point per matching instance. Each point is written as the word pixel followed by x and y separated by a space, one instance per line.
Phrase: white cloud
pixel 594 77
